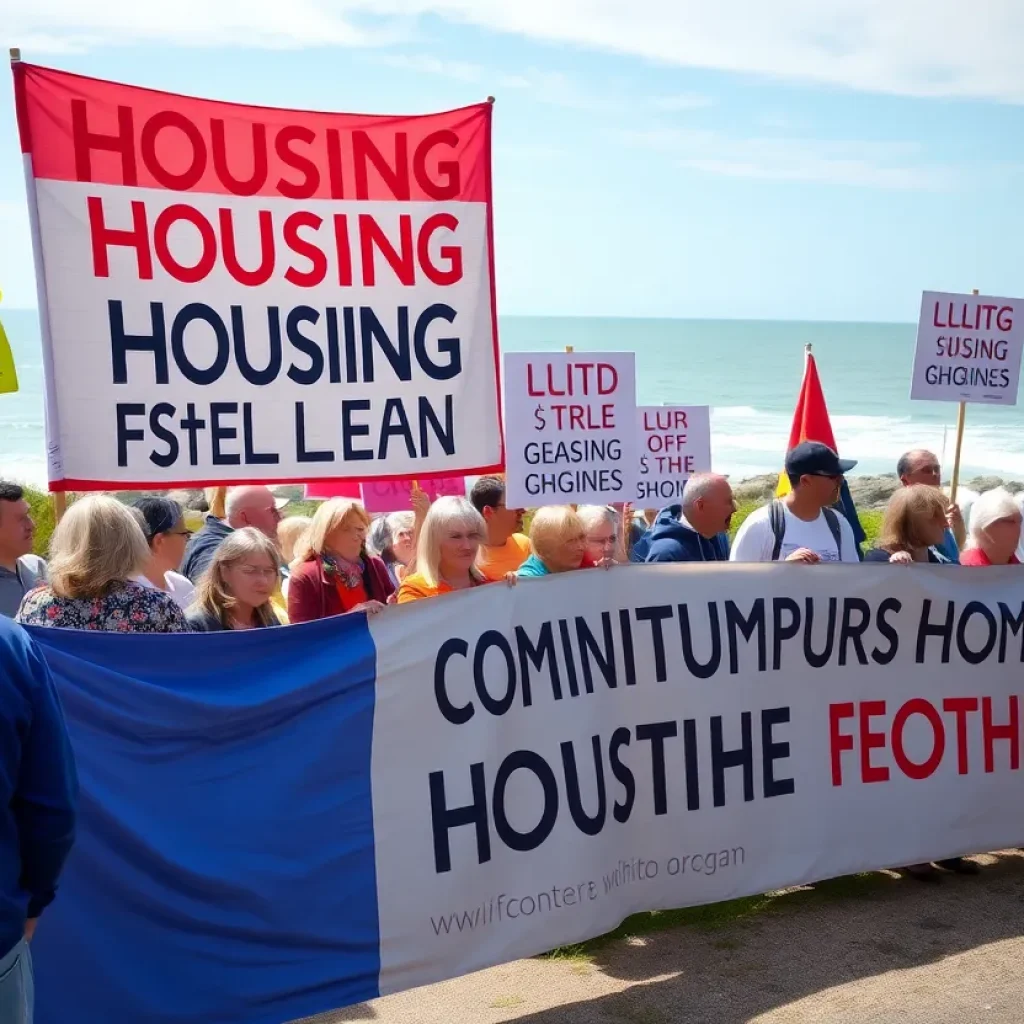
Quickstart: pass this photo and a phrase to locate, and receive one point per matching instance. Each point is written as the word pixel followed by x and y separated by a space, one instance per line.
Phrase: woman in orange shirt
pixel 449 542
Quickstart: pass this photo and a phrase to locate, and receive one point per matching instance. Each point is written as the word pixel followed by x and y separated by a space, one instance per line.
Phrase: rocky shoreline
pixel 869 492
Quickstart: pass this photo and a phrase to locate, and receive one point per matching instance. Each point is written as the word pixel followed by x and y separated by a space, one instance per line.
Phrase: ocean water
pixel 748 371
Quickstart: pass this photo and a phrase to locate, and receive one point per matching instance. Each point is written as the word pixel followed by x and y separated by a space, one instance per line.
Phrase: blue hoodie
pixel 38 787
pixel 669 540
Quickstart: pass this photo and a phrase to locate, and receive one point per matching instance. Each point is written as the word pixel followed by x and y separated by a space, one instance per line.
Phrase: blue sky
pixel 652 158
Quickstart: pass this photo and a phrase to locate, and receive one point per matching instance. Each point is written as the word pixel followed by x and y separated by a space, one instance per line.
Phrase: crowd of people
pixel 139 569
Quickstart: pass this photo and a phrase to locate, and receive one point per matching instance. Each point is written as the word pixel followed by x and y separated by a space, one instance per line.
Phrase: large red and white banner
pixel 234 293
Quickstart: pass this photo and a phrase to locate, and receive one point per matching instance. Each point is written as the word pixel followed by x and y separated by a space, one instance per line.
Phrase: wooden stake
pixel 569 349
pixel 15 55
pixel 218 497
pixel 961 417
pixel 954 482
pixel 60 505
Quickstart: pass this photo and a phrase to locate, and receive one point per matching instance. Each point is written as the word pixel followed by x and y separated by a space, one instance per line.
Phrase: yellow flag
pixel 8 374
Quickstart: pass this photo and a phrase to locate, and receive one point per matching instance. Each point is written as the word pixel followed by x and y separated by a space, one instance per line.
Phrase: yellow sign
pixel 8 374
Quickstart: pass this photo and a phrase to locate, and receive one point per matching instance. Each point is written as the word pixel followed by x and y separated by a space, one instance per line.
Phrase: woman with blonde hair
pixel 994 531
pixel 913 528
pixel 96 552
pixel 290 533
pixel 559 540
pixel 235 591
pixel 446 554
pixel 333 573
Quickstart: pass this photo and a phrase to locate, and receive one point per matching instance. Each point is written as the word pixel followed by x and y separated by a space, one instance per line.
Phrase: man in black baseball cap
pixel 803 526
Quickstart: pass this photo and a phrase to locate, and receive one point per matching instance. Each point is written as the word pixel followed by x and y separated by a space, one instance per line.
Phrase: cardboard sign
pixel 396 495
pixel 570 420
pixel 675 443
pixel 238 293
pixel 968 349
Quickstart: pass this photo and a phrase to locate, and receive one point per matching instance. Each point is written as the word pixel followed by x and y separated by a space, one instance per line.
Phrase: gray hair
pixel 699 486
pixel 591 515
pixel 445 512
pixel 990 507
pixel 385 528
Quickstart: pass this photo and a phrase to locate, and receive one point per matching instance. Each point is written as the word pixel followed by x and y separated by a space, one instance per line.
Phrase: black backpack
pixel 777 519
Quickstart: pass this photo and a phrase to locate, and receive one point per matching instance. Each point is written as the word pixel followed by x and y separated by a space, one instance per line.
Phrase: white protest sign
pixel 675 443
pixel 328 315
pixel 968 349
pixel 570 420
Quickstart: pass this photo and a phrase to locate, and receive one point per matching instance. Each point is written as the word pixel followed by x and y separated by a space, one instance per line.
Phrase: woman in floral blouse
pixel 335 574
pixel 95 552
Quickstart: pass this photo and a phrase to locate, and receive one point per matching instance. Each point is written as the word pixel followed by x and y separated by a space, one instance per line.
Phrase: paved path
pixel 904 951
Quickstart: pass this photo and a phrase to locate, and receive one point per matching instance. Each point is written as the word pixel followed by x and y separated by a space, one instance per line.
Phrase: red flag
pixel 810 420
pixel 811 423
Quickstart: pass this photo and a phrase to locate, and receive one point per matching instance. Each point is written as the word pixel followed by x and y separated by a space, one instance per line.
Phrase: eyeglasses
pixel 253 572
pixel 179 533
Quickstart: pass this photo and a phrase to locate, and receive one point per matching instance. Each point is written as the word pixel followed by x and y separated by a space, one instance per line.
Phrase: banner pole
pixel 961 417
pixel 60 498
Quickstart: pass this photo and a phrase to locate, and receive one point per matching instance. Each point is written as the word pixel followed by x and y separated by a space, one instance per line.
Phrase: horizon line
pixel 638 316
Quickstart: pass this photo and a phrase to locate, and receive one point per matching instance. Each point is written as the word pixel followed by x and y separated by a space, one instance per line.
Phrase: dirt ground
pixel 898 950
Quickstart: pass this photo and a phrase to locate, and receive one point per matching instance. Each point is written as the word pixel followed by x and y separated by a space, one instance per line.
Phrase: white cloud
pixel 867 164
pixel 909 47
pixel 59 25
pixel 552 87
pixel 682 101
pixel 460 71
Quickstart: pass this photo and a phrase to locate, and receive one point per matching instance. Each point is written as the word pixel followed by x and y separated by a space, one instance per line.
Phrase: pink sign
pixel 396 495
pixel 322 489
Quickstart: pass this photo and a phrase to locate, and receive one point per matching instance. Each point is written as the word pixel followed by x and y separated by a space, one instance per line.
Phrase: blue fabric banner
pixel 282 822
pixel 201 889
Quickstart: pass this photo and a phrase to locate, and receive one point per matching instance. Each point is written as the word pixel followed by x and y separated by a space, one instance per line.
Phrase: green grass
pixel 713 917
pixel 507 1002
pixel 870 519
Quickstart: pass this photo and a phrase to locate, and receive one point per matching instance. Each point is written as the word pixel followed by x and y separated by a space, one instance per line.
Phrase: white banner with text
pixel 594 744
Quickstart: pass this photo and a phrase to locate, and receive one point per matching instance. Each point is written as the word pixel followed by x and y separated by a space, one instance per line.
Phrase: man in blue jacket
pixel 38 790
pixel 696 530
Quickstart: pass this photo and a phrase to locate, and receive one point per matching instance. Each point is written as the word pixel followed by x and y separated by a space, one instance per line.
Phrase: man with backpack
pixel 803 526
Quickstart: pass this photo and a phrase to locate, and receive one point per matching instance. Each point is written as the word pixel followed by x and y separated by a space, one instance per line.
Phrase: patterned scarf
pixel 343 572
